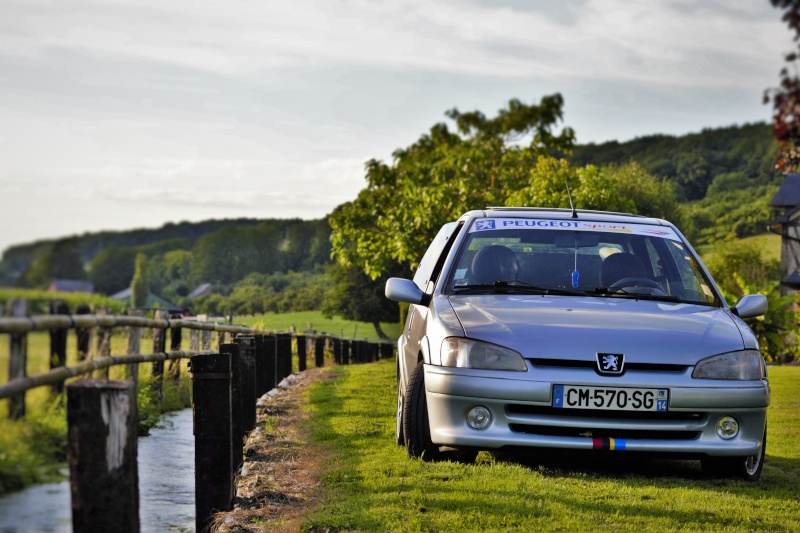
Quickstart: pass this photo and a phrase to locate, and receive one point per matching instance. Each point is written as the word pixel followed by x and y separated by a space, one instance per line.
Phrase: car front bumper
pixel 522 415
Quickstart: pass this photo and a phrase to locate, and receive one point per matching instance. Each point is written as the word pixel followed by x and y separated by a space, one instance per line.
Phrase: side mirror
pixel 403 290
pixel 750 306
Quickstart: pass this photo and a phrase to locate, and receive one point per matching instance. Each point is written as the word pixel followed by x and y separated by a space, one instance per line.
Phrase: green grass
pixel 313 320
pixel 373 486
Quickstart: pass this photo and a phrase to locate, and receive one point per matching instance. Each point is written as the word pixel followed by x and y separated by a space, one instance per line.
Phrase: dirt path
pixel 280 478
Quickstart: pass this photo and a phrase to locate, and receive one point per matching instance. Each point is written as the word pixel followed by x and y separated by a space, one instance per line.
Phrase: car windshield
pixel 578 258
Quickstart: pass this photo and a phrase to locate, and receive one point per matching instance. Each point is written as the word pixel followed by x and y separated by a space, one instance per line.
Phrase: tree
pixel 140 284
pixel 439 177
pixel 623 188
pixel 356 296
pixel 112 270
pixel 786 98
pixel 60 261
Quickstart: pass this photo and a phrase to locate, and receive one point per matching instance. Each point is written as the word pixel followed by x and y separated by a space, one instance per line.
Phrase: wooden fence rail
pixel 226 385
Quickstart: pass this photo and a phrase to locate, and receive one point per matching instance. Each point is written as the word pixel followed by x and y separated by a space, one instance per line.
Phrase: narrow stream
pixel 166 488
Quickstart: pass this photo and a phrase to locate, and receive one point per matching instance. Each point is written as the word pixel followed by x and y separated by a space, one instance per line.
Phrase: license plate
pixel 610 398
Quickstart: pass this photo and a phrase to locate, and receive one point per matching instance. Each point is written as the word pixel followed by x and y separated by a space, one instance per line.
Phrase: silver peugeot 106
pixel 576 330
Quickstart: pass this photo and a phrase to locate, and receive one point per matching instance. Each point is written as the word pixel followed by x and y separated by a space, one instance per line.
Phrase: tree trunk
pixel 378 330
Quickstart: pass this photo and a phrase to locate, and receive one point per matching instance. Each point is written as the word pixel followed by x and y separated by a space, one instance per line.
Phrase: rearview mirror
pixel 577 239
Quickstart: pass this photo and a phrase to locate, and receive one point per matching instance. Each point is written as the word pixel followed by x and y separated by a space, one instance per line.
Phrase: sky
pixel 121 114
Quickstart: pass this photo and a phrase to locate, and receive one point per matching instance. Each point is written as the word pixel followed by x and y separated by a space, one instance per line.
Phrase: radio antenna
pixel 572 205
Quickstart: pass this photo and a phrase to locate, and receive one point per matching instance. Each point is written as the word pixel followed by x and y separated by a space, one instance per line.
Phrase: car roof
pixel 550 212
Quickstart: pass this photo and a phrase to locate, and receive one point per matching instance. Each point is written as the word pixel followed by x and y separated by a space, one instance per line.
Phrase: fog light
pixel 479 417
pixel 727 427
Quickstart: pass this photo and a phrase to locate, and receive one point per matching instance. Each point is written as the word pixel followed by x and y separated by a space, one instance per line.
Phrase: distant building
pixel 204 289
pixel 788 227
pixel 153 301
pixel 70 285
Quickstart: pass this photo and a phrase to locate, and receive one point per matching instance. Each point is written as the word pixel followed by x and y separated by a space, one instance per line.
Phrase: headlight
pixel 466 353
pixel 744 365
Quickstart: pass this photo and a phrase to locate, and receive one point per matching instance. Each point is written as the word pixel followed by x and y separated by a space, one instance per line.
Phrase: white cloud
pixel 659 42
pixel 143 111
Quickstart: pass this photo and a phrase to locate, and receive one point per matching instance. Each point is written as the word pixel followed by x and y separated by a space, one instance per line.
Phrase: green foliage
pixel 623 188
pixel 693 162
pixel 39 301
pixel 140 284
pixel 267 293
pixel 58 261
pixel 112 270
pixel 31 449
pixel 739 268
pixel 355 296
pixel 437 178
pixel 729 213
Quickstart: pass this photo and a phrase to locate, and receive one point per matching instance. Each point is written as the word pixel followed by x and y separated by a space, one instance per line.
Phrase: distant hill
pixel 733 157
pixel 169 237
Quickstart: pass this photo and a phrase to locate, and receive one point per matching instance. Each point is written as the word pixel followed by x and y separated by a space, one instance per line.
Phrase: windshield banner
pixel 489 224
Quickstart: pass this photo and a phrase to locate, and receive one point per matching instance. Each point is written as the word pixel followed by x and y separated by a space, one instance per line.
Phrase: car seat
pixel 494 263
pixel 619 266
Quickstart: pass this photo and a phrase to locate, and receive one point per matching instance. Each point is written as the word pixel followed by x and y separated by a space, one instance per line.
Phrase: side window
pixel 691 279
pixel 431 257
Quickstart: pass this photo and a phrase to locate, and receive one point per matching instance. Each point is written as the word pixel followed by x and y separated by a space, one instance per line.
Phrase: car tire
pixel 744 468
pixel 401 398
pixel 416 428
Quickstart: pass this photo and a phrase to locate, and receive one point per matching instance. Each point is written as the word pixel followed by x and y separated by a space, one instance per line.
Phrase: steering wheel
pixel 635 282
pixel 650 286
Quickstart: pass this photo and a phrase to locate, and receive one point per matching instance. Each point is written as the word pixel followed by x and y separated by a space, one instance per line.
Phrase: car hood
pixel 577 328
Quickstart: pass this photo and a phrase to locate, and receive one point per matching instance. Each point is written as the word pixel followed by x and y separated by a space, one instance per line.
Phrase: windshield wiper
pixel 504 286
pixel 622 293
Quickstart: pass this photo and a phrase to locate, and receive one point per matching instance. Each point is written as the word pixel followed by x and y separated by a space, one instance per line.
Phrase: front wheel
pixel 744 468
pixel 416 428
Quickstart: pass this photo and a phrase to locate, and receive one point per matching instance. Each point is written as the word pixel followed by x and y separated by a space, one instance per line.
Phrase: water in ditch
pixel 166 488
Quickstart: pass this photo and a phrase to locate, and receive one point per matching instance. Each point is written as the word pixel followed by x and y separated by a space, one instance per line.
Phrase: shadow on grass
pixel 600 464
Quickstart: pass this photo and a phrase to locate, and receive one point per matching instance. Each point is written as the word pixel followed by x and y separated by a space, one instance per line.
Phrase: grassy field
pixel 313 320
pixel 769 243
pixel 373 486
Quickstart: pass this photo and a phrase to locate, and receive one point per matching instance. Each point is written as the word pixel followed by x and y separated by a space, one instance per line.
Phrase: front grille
pixel 642 367
pixel 547 423
pixel 668 416
pixel 616 433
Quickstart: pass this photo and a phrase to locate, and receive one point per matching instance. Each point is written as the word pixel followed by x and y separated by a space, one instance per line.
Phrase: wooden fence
pixel 102 416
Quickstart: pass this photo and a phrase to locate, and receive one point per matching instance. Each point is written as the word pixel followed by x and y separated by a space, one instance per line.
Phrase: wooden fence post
pixel 211 393
pixel 159 346
pixel 58 343
pixel 319 351
pixel 337 350
pixel 301 352
pixel 194 340
pixel 247 380
pixel 345 352
pixel 387 350
pixel 103 343
pixel 270 367
pixel 237 425
pixel 260 354
pixel 83 335
pixel 17 358
pixel 284 362
pixel 175 340
pixel 134 345
pixel 104 482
